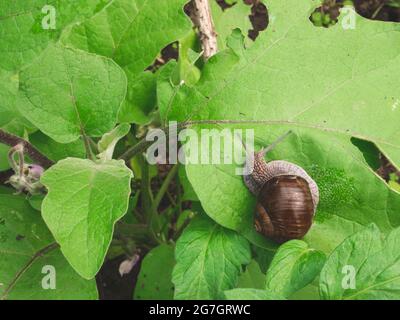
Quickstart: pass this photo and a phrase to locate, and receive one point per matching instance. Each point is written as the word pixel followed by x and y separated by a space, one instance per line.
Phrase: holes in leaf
pixel 259 18
pixel 378 162
pixel 327 14
pixel 170 52
pixel 383 10
pixel 225 4
pixel 370 152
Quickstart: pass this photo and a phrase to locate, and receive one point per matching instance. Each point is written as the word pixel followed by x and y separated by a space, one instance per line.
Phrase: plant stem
pixel 13 140
pixel 135 150
pixel 86 141
pixel 378 9
pixel 202 18
pixel 164 187
pixel 93 145
pixel 147 201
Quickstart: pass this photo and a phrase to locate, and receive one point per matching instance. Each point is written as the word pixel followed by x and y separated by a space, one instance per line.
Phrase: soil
pixel 111 285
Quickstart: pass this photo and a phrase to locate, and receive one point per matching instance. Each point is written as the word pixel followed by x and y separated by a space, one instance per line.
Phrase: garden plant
pixel 106 187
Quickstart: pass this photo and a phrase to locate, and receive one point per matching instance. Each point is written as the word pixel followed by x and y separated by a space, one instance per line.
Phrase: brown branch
pixel 202 18
pixel 13 140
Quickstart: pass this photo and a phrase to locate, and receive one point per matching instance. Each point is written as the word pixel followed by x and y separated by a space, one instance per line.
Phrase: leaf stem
pixel 13 140
pixel 36 256
pixel 164 187
pixel 86 141
pixel 147 200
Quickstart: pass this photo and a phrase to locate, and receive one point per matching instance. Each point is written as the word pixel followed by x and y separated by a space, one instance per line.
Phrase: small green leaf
pixel 107 143
pixel 54 150
pixel 144 28
pixel 25 30
pixel 208 260
pixel 294 266
pixel 364 266
pixel 72 92
pixel 26 250
pixel 251 294
pixel 154 281
pixel 83 203
pixel 140 100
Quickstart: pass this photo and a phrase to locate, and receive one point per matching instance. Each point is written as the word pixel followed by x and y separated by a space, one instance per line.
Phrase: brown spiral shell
pixel 287 198
pixel 285 208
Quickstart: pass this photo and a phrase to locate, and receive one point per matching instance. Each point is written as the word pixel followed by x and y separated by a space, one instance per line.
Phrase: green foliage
pixel 375 262
pixel 208 260
pixel 85 200
pixel 252 277
pixel 143 29
pixel 23 238
pixel 89 90
pixel 294 266
pixel 72 93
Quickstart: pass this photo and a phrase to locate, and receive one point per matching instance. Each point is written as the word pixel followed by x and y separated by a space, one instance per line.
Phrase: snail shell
pixel 287 198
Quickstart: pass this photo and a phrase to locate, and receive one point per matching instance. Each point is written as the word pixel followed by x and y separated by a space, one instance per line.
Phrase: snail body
pixel 287 198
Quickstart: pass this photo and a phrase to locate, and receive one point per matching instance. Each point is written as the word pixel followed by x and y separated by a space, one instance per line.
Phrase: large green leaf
pixel 72 93
pixel 22 36
pixel 287 58
pixel 143 29
pixel 154 280
pixel 83 203
pixel 282 81
pixel 54 150
pixel 25 249
pixel 208 260
pixel 373 262
pixel 294 266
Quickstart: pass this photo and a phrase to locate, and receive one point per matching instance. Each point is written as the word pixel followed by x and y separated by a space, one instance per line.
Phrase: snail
pixel 287 197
